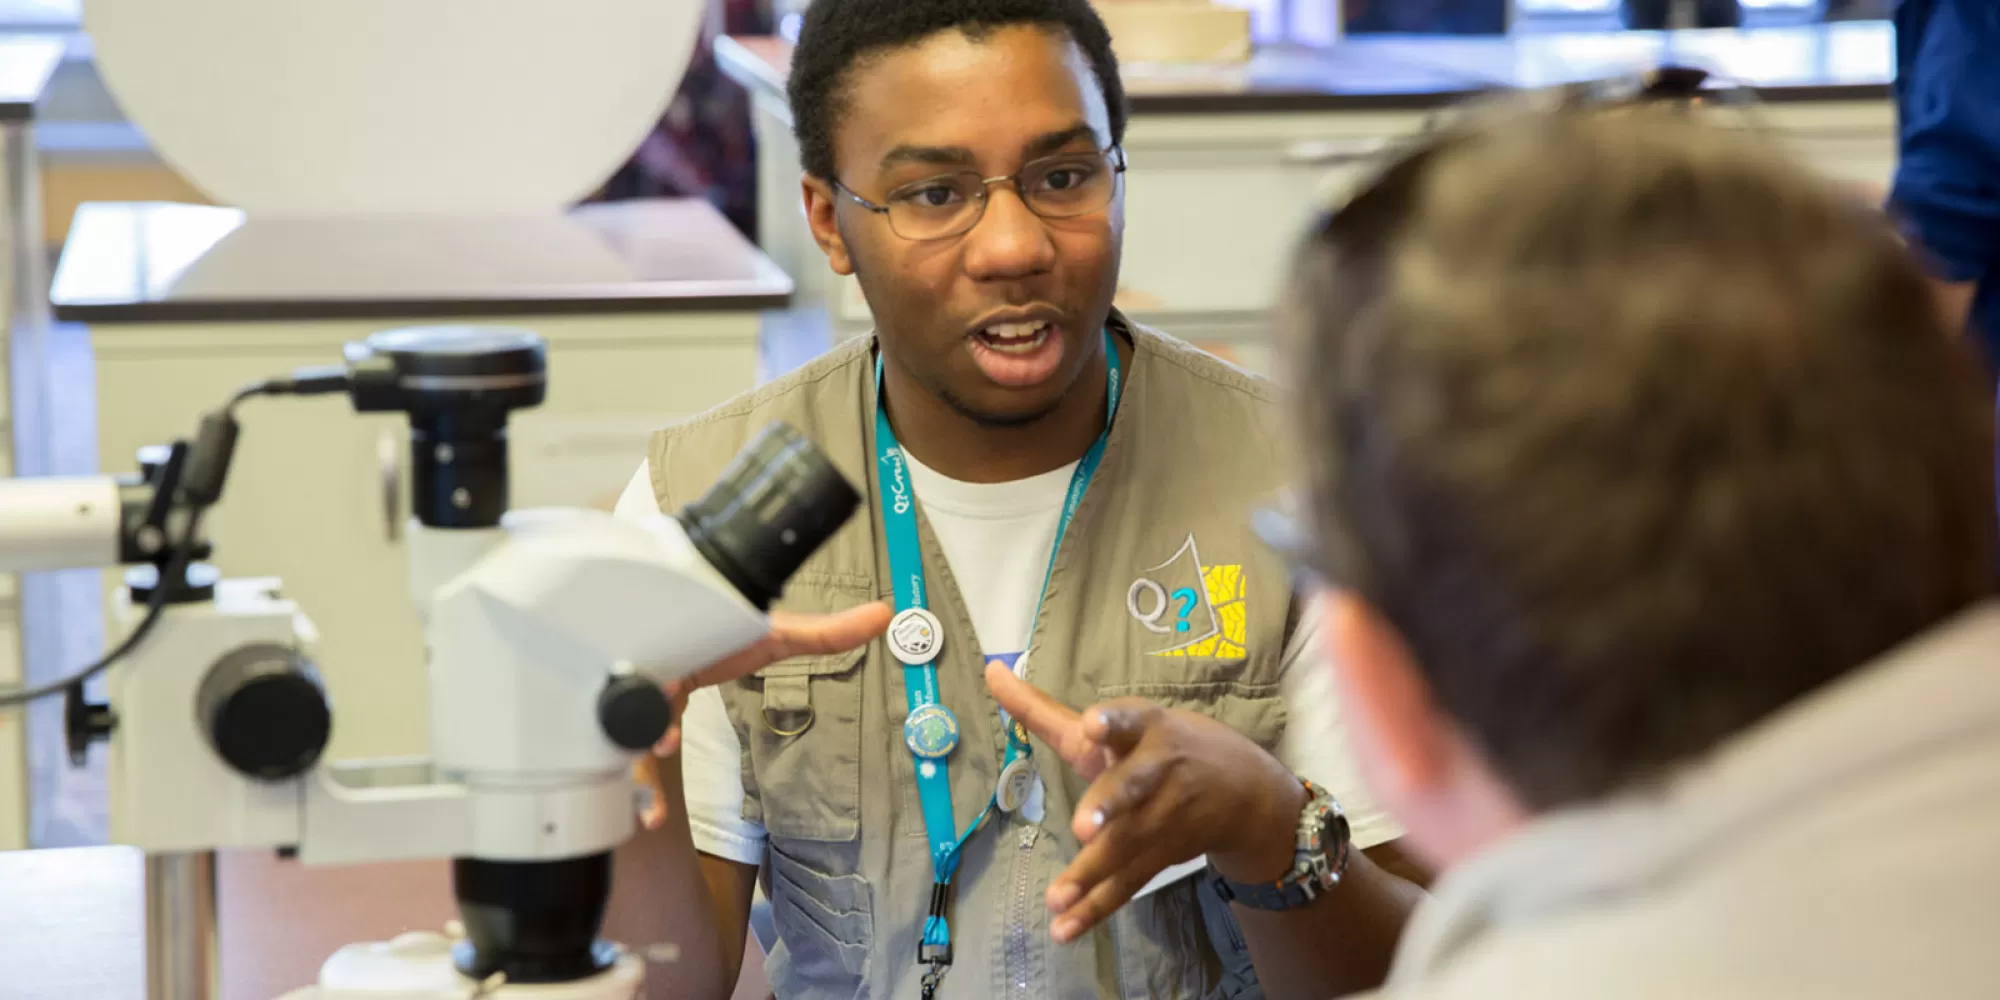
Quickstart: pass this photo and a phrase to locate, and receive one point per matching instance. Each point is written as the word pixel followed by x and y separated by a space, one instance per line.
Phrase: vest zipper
pixel 1017 922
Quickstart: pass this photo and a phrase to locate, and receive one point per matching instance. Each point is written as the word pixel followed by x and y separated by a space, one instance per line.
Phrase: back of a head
pixel 836 35
pixel 1636 432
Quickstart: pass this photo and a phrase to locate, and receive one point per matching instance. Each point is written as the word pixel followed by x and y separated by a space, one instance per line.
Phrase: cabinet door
pixel 1209 228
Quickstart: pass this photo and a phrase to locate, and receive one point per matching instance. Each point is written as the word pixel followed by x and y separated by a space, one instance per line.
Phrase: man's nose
pixel 1010 241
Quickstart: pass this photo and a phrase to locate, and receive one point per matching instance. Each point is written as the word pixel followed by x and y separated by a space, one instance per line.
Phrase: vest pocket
pixel 1256 710
pixel 804 742
pixel 825 923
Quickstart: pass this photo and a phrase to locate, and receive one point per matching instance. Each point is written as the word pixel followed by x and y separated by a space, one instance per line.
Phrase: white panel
pixel 283 106
pixel 578 461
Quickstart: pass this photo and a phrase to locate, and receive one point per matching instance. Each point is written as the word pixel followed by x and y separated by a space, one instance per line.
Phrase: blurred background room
pixel 158 255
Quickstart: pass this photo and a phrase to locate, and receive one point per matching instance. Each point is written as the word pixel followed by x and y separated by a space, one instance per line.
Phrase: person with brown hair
pixel 1651 509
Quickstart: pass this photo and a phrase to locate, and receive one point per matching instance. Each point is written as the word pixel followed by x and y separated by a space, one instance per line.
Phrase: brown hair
pixel 1636 431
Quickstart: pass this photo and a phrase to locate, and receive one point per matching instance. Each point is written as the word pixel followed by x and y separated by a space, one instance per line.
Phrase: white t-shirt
pixel 997 538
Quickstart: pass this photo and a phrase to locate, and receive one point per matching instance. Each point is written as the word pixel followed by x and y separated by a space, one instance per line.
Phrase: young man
pixel 1046 486
pixel 1654 509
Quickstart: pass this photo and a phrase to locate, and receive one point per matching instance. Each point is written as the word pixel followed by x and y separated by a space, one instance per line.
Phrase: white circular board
pixel 303 107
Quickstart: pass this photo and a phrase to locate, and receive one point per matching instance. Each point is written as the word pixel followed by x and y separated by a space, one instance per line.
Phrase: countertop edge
pixel 751 297
pixel 21 106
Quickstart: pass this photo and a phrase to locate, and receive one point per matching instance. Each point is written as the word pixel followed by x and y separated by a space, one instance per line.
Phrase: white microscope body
pixel 549 632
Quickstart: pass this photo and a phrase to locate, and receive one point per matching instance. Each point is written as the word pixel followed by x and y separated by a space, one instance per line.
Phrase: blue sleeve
pixel 1947 186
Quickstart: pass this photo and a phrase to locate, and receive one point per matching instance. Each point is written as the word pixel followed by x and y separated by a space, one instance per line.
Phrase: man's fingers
pixel 818 635
pixel 1103 900
pixel 1052 721
pixel 1093 864
pixel 793 635
pixel 1119 725
pixel 1103 878
pixel 646 770
pixel 670 744
pixel 1127 785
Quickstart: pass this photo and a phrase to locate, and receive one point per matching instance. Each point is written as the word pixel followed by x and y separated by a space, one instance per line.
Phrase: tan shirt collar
pixel 1938 689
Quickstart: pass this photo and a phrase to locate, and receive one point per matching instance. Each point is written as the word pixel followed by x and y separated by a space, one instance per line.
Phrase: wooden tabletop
pixel 1843 61
pixel 132 262
pixel 27 62
pixel 72 922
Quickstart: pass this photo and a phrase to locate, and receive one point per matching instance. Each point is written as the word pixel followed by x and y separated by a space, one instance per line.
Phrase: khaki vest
pixel 1160 591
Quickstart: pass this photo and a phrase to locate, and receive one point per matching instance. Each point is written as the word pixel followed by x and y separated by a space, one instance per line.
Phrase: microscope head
pixel 583 587
pixel 549 632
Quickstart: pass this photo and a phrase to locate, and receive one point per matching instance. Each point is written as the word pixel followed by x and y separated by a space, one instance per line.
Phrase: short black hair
pixel 837 34
pixel 1636 430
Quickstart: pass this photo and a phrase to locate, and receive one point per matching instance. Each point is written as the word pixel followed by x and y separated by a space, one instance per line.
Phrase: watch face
pixel 1333 829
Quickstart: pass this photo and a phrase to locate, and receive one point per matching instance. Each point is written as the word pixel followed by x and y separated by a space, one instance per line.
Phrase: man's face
pixel 999 322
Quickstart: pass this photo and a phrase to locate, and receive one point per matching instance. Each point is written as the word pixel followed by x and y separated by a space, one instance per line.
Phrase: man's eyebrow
pixel 959 156
pixel 1049 142
pixel 939 156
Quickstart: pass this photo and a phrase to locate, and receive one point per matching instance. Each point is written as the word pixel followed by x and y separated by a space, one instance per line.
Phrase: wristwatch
pixel 1319 859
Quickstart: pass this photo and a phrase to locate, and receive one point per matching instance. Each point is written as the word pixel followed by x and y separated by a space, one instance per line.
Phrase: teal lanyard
pixel 906 567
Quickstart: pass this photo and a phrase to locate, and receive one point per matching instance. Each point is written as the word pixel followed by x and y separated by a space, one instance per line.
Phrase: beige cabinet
pixel 317 494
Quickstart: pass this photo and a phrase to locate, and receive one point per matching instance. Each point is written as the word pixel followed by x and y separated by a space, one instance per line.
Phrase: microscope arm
pixel 52 523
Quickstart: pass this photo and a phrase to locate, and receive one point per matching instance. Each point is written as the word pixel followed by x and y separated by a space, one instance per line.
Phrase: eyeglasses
pixel 1283 530
pixel 1063 186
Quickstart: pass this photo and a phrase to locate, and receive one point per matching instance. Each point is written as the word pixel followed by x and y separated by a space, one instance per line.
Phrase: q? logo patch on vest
pixel 1192 609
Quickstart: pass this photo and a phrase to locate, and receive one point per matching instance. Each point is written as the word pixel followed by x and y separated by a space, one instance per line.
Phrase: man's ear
pixel 1387 704
pixel 820 201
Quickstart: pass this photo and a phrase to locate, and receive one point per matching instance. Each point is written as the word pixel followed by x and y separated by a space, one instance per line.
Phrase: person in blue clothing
pixel 1946 193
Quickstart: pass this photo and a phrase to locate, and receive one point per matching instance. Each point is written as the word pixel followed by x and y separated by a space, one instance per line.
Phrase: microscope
pixel 549 635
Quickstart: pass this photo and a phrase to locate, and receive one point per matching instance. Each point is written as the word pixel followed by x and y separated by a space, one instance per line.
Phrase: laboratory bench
pixel 1228 163
pixel 73 921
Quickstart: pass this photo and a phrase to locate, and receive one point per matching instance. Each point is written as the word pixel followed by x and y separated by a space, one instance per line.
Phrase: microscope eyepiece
pixel 776 503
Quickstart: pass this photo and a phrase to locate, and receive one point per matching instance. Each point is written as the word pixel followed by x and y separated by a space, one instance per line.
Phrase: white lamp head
pixel 324 107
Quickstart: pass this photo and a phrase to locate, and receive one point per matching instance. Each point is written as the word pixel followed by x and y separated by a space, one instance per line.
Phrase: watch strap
pixel 1319 860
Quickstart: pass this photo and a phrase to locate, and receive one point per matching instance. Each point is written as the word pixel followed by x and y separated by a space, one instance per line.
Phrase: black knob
pixel 84 722
pixel 634 712
pixel 265 712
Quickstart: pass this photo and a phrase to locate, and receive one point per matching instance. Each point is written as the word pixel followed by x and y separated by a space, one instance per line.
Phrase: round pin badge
pixel 931 732
pixel 1017 780
pixel 915 636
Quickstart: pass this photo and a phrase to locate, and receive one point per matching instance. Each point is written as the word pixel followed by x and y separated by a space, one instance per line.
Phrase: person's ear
pixel 1387 705
pixel 820 201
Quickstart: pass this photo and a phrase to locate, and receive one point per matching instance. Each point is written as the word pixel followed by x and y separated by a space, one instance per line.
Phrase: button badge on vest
pixel 1017 782
pixel 915 636
pixel 931 732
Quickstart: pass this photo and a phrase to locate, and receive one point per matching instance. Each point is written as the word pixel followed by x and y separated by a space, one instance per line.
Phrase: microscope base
pixel 418 966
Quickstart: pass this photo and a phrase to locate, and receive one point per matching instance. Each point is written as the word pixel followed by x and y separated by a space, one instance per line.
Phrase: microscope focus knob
pixel 265 712
pixel 634 712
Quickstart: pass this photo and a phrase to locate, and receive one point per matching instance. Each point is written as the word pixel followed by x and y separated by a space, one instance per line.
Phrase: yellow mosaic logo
pixel 1225 598
pixel 1200 606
